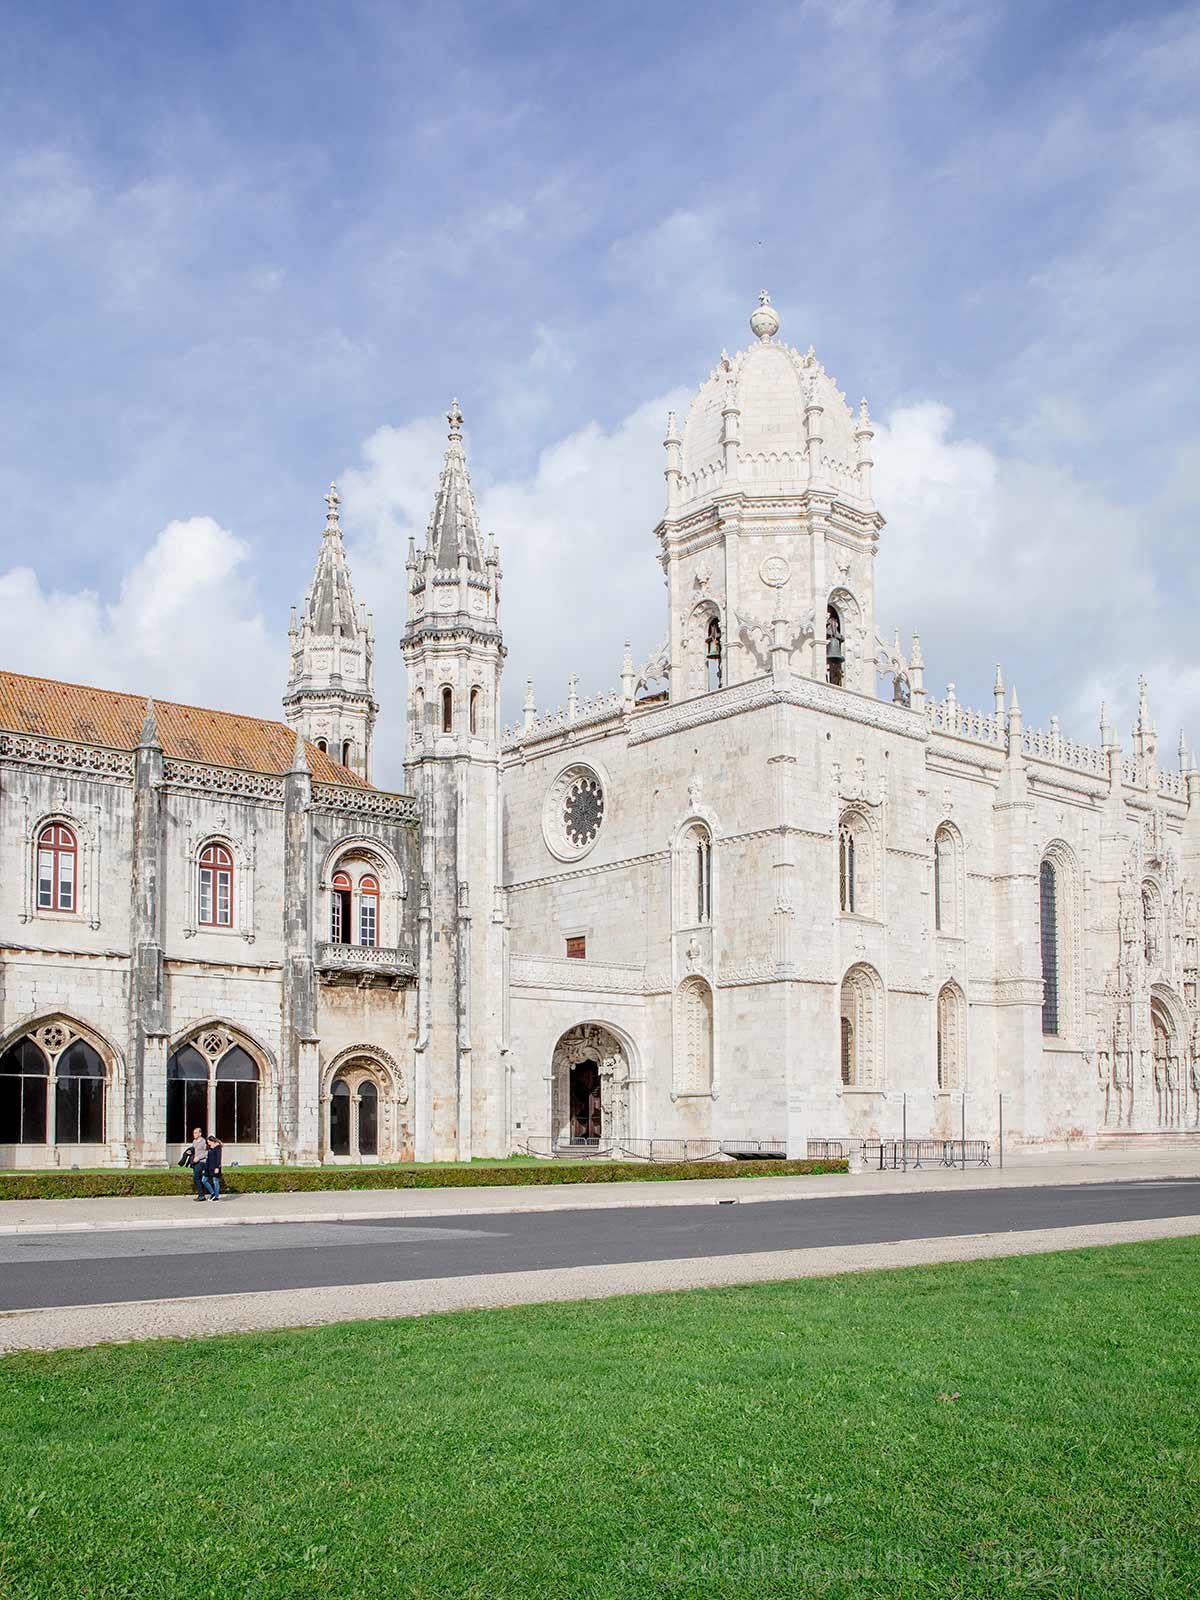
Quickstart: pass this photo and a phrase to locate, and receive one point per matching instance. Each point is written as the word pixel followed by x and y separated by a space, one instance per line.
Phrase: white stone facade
pixel 767 891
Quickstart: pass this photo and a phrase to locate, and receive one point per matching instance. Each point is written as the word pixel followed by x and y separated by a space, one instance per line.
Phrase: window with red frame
pixel 368 911
pixel 577 948
pixel 57 868
pixel 216 887
pixel 340 924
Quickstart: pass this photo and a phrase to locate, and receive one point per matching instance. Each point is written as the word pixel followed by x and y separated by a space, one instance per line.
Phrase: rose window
pixel 573 812
pixel 583 810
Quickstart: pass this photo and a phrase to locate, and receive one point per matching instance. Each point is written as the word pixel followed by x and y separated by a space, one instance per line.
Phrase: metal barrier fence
pixel 550 1147
pixel 895 1154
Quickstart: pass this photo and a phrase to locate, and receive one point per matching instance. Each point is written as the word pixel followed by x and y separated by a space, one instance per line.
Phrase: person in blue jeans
pixel 212 1167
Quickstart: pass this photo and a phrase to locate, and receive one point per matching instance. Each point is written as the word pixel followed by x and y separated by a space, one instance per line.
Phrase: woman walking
pixel 212 1167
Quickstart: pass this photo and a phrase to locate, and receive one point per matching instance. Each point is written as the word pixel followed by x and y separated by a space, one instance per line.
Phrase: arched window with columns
pixel 215 891
pixel 860 1034
pixel 214 1083
pixel 1059 919
pixel 951 1038
pixel 858 888
pixel 947 881
pixel 54 1086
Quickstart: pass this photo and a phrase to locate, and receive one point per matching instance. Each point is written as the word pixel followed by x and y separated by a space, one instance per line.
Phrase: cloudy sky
pixel 245 249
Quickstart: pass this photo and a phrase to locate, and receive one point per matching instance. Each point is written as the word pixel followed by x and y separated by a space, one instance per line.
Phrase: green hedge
pixel 297 1180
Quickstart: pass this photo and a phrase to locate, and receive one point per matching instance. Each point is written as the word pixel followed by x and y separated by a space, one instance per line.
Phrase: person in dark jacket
pixel 212 1167
pixel 195 1155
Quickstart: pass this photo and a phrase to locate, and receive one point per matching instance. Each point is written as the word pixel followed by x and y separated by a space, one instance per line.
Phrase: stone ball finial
pixel 764 323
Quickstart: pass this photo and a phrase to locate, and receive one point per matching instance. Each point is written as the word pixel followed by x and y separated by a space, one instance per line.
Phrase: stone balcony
pixel 364 965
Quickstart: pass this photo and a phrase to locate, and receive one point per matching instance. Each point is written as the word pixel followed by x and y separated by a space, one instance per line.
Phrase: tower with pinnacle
pixel 454 653
pixel 330 691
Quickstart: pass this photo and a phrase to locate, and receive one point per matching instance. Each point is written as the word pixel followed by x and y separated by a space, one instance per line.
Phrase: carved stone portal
pixel 589 1090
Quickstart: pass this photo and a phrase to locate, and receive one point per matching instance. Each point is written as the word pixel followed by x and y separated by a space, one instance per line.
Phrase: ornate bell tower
pixel 330 691
pixel 454 653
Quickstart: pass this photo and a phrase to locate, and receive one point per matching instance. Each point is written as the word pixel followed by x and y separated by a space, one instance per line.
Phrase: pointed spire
pixel 1183 752
pixel 453 533
pixel 300 755
pixel 332 501
pixel 149 738
pixel 329 606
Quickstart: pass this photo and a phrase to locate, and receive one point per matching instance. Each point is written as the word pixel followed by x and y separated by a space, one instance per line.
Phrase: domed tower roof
pixel 761 398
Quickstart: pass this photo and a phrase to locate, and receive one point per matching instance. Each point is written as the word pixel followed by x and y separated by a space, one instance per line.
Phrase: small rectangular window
pixel 577 948
pixel 366 920
pixel 206 902
pixel 45 880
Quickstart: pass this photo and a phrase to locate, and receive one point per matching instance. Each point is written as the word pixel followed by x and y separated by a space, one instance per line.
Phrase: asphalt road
pixel 55 1269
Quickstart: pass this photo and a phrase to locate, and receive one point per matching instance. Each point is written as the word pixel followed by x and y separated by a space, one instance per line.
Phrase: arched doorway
pixel 364 1109
pixel 590 1087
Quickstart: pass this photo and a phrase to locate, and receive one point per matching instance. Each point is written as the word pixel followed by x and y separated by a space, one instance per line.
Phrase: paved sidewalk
pixel 338 1205
pixel 69 1327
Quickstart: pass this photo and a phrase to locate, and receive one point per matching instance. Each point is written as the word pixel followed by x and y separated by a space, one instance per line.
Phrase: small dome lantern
pixel 764 322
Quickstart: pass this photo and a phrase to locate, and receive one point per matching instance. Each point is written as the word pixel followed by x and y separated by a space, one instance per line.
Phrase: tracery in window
pixel 1048 898
pixel 860 1034
pixel 951 1036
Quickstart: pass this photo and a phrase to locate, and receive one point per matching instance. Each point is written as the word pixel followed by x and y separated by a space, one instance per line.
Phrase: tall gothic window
pixel 237 1097
pixel 340 922
pixel 693 1037
pixel 846 867
pixel 347 752
pixel 187 1094
pixel 216 886
pixel 1048 895
pixel 24 1085
pixel 474 711
pixel 447 709
pixel 368 911
pixel 835 647
pixel 847 1052
pixel 860 1034
pixel 946 885
pixel 1150 923
pixel 57 868
pixel 218 1096
pixel 79 1095
pixel 712 654
pixel 704 878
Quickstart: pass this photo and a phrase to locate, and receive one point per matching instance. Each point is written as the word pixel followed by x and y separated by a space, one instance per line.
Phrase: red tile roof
pixel 187 733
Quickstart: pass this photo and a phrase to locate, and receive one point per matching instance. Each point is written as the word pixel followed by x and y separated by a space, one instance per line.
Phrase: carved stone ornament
pixel 573 812
pixel 775 571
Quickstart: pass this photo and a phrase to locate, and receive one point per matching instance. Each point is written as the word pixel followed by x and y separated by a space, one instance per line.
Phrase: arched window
pixel 861 1029
pixel 368 1119
pixel 347 752
pixel 951 1037
pixel 57 868
pixel 187 1094
pixel 846 867
pixel 216 886
pixel 704 878
pixel 1048 897
pixel 79 1095
pixel 237 1098
pixel 340 922
pixel 323 744
pixel 946 881
pixel 368 911
pixel 474 711
pixel 835 647
pixel 447 709
pixel 339 1118
pixel 24 1084
pixel 712 654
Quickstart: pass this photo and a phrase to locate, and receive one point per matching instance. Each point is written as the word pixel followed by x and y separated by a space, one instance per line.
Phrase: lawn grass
pixel 1012 1427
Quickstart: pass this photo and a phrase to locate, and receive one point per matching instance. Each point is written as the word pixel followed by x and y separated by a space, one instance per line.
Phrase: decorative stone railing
pixel 565 972
pixel 366 802
pixel 1173 784
pixel 1062 752
pixel 34 748
pixel 581 713
pixel 223 780
pixel 367 960
pixel 947 716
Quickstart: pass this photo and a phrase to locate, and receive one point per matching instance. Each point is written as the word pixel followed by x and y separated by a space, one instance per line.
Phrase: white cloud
pixel 183 626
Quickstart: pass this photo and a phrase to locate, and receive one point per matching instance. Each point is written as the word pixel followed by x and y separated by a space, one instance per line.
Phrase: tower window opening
pixel 340 924
pixel 474 711
pixel 835 648
pixel 712 654
pixel 323 746
pixel 447 709
pixel 347 752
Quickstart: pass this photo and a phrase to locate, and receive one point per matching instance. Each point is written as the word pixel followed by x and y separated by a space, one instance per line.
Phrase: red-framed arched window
pixel 57 868
pixel 340 923
pixel 216 887
pixel 368 911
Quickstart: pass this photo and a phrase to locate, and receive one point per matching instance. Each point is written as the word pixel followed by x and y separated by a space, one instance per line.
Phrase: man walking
pixel 195 1155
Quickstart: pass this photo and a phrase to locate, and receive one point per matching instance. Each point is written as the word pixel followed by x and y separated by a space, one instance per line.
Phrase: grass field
pixel 1013 1427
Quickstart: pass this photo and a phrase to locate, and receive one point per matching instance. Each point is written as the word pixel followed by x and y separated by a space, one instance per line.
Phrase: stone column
pixel 148 1028
pixel 299 1073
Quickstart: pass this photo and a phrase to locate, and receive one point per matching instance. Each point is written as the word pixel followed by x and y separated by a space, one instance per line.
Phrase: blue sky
pixel 247 249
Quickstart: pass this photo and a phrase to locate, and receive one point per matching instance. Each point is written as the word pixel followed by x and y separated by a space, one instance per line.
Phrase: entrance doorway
pixel 586 1121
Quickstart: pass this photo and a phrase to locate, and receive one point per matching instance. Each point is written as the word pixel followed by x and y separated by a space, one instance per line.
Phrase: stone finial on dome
pixel 764 322
pixel 455 418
